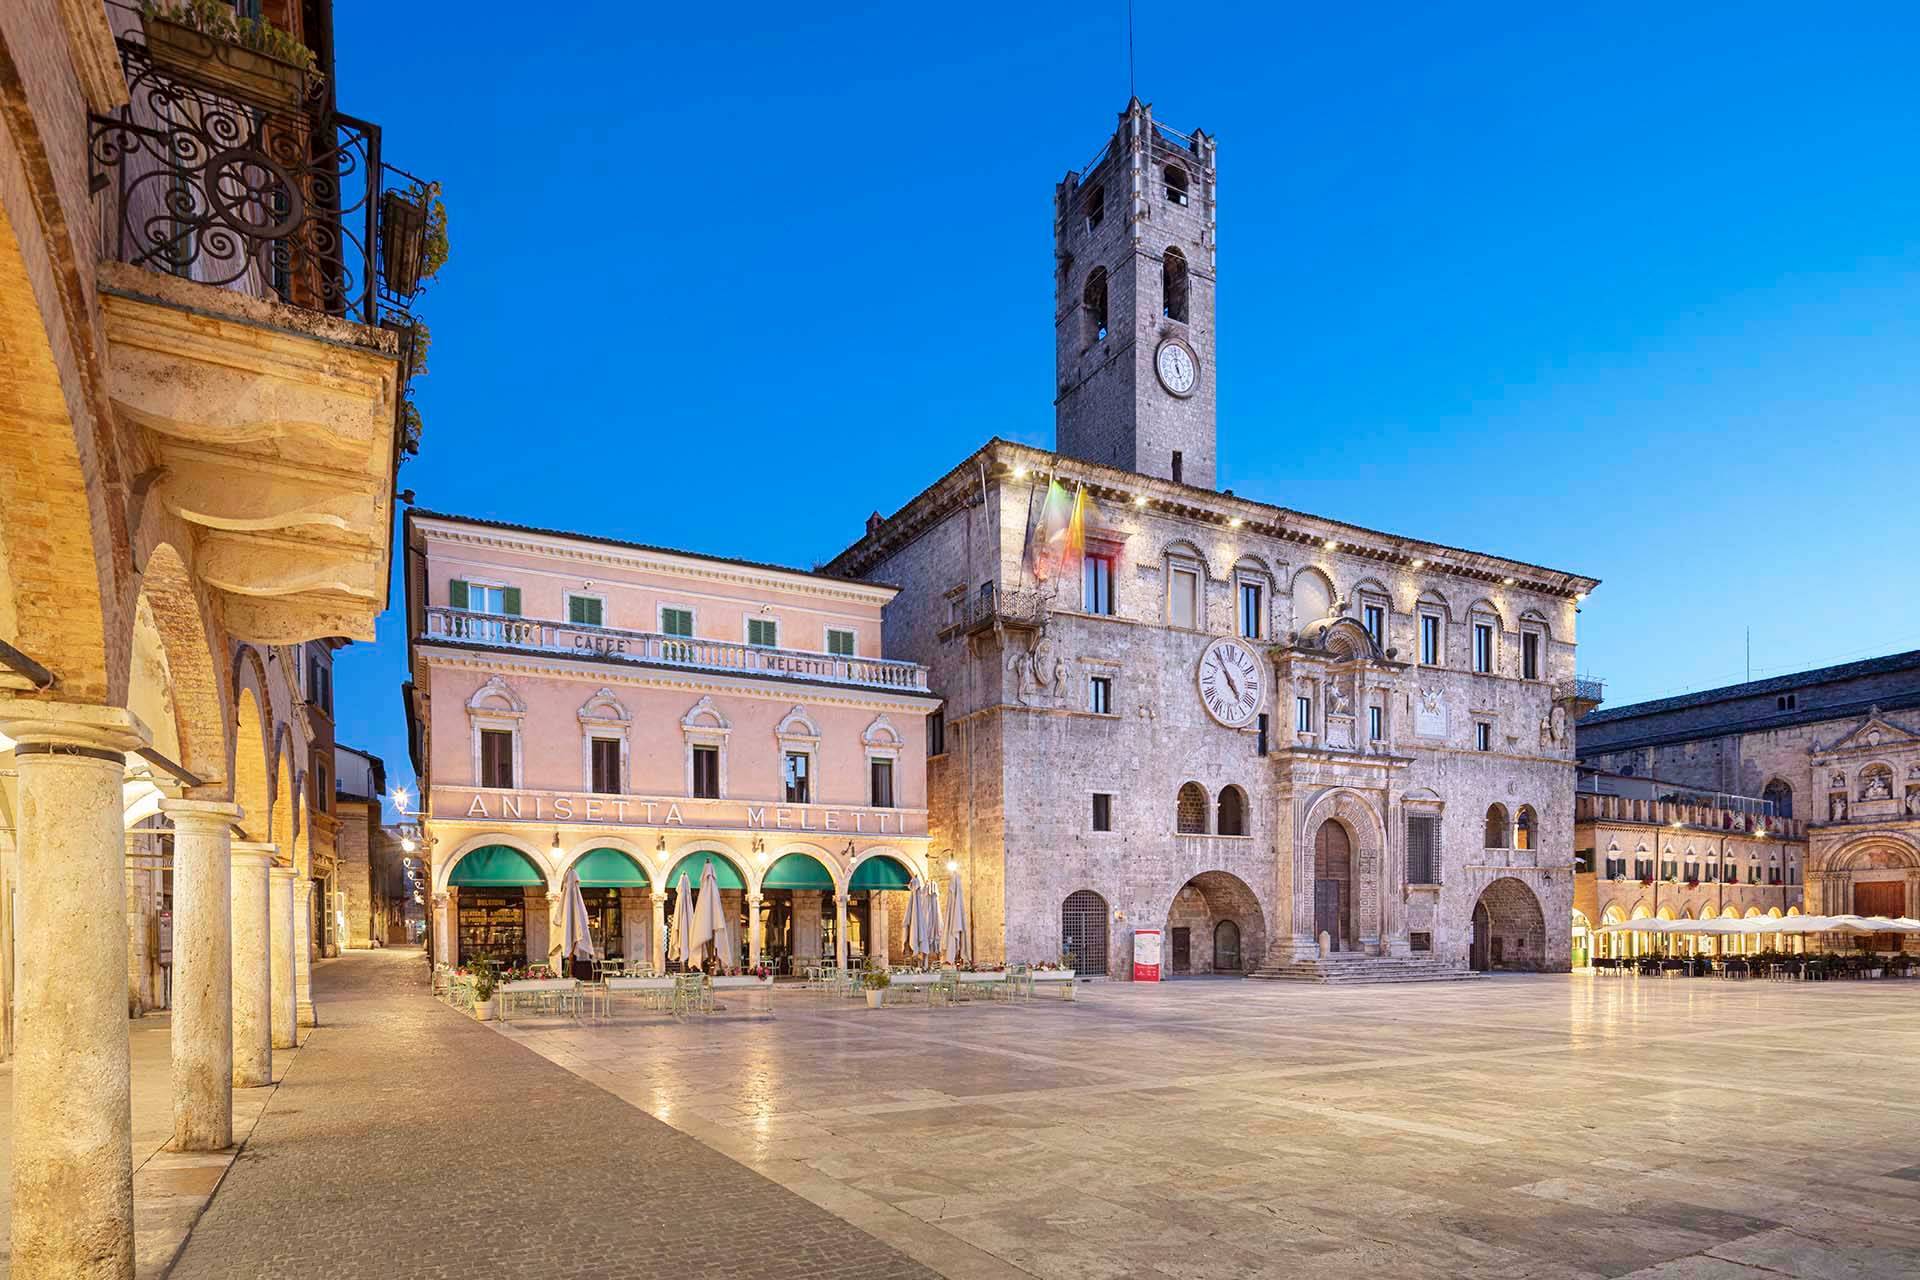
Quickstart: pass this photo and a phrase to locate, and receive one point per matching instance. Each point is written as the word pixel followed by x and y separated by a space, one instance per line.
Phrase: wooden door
pixel 1326 910
pixel 1881 898
pixel 1226 947
pixel 1480 954
pixel 1182 949
pixel 1332 884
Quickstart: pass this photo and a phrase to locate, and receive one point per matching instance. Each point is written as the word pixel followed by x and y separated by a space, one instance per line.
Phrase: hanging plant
pixel 251 56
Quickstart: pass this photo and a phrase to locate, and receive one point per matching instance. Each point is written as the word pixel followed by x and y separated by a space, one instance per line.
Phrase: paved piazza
pixel 1515 1126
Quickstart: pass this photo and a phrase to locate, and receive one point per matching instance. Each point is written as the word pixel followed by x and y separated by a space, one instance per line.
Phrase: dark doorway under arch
pixel 1083 931
pixel 1333 884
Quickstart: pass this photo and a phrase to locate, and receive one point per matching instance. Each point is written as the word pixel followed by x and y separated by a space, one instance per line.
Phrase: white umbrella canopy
pixel 930 918
pixel 959 945
pixel 576 926
pixel 913 916
pixel 680 924
pixel 711 932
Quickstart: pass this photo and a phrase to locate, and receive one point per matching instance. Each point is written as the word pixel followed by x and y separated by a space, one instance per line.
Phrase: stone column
pixel 202 973
pixel 445 923
pixel 877 951
pixel 840 930
pixel 659 940
pixel 72 1094
pixel 633 932
pixel 753 930
pixel 303 947
pixel 252 975
pixel 285 1012
pixel 537 925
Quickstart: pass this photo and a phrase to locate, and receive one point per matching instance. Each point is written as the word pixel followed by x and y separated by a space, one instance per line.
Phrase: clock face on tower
pixel 1230 683
pixel 1177 366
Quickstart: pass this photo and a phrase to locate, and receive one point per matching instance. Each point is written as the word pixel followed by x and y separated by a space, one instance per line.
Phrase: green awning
pixel 497 866
pixel 881 873
pixel 798 871
pixel 725 874
pixel 610 869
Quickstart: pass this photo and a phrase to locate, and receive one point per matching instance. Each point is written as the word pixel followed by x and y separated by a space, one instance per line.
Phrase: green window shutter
pixel 584 610
pixel 677 622
pixel 762 632
pixel 457 594
pixel 510 600
pixel 840 643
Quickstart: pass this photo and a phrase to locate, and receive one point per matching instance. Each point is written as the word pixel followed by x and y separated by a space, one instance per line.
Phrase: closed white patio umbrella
pixel 914 889
pixel 930 918
pixel 711 931
pixel 576 927
pixel 680 923
pixel 959 948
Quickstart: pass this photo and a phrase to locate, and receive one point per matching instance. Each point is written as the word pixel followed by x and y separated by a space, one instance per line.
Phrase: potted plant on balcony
pixel 876 982
pixel 413 237
pixel 249 56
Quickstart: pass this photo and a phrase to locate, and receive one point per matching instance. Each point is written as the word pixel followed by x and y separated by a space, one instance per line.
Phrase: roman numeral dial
pixel 1231 683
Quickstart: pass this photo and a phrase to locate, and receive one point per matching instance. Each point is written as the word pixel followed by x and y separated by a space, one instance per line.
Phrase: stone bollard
pixel 1326 944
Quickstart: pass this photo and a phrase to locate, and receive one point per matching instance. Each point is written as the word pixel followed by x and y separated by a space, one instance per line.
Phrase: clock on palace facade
pixel 1230 682
pixel 1177 366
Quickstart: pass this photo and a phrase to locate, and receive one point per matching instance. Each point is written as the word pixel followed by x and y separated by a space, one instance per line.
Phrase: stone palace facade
pixel 1172 708
pixel 1835 749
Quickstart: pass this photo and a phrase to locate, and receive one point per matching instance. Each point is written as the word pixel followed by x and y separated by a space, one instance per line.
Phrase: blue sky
pixel 1633 292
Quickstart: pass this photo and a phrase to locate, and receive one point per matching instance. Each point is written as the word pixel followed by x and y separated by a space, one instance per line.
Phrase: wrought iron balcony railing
pixel 1581 689
pixel 218 173
pixel 463 626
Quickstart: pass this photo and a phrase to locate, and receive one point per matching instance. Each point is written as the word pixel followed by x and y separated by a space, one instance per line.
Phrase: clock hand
pixel 1231 686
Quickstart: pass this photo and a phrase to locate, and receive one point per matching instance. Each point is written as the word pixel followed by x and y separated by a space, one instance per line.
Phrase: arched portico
pixel 1214 925
pixel 1509 928
pixel 1337 874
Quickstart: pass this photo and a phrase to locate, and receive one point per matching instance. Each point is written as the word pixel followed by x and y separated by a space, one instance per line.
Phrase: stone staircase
pixel 1351 968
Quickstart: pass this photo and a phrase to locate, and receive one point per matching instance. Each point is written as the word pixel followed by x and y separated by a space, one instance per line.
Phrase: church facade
pixel 1282 743
pixel 1836 749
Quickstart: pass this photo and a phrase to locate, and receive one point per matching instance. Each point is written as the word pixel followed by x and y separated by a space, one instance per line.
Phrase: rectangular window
pixel 763 633
pixel 586 611
pixel 1100 695
pixel 1252 606
pixel 799 784
pixel 880 775
pixel 1418 941
pixel 840 642
pixel 676 622
pixel 1530 656
pixel 1712 872
pixel 1423 849
pixel 1303 714
pixel 1643 868
pixel 1753 875
pixel 1183 598
pixel 1260 733
pixel 1096 584
pixel 1482 648
pixel 1430 639
pixel 321 794
pixel 1669 870
pixel 1102 811
pixel 1375 620
pixel 1482 736
pixel 1376 723
pixel 320 686
pixel 496 758
pixel 937 733
pixel 706 773
pixel 606 766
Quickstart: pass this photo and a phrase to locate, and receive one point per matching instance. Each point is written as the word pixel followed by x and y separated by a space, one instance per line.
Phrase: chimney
pixel 874 522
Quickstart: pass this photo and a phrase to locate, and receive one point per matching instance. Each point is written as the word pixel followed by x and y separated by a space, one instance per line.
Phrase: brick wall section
pixel 358 828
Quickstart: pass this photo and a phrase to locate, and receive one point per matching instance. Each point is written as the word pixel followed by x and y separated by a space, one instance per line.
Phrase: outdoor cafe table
pixel 559 990
pixel 743 983
pixel 1063 978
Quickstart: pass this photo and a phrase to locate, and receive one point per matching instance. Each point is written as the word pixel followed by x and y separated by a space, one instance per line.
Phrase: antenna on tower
pixel 1131 93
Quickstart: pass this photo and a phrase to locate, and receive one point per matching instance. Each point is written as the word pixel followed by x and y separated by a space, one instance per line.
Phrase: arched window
pixel 1093 300
pixel 1191 814
pixel 1083 931
pixel 1177 182
pixel 1496 827
pixel 1233 812
pixel 1096 207
pixel 1523 824
pixel 1782 796
pixel 1173 285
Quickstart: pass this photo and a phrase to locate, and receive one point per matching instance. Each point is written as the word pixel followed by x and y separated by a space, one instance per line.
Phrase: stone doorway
pixel 1881 898
pixel 1212 909
pixel 1182 949
pixel 1226 947
pixel 1333 884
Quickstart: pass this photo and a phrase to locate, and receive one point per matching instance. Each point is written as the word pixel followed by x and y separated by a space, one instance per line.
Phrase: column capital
pixel 280 872
pixel 39 726
pixel 201 816
pixel 254 853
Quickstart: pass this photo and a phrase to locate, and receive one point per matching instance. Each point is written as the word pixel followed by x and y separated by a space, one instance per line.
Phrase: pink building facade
pixel 635 714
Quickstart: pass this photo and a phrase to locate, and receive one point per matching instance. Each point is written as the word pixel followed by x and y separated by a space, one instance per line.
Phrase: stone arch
pixel 1313 596
pixel 911 865
pixel 284 827
pixel 1509 928
pixel 497 697
pixel 1190 810
pixel 688 858
pixel 1489 608
pixel 1439 601
pixel 1231 812
pixel 1086 924
pixel 542 862
pixel 1342 637
pixel 1358 904
pixel 604 707
pixel 587 843
pixel 1780 792
pixel 1535 618
pixel 1185 549
pixel 1526 828
pixel 182 625
pixel 797 724
pixel 1496 826
pixel 1876 782
pixel 799 848
pixel 1201 906
pixel 704 715
pixel 881 734
pixel 251 772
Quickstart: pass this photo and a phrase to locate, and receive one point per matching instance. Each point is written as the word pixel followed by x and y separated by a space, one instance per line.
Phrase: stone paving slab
pixel 1532 1126
pixel 408 1140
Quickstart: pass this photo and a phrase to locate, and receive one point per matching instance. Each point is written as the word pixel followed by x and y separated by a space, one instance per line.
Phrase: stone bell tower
pixel 1133 237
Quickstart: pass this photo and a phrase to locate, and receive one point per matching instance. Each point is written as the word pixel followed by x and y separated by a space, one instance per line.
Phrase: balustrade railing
pixel 504 631
pixel 1747 818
